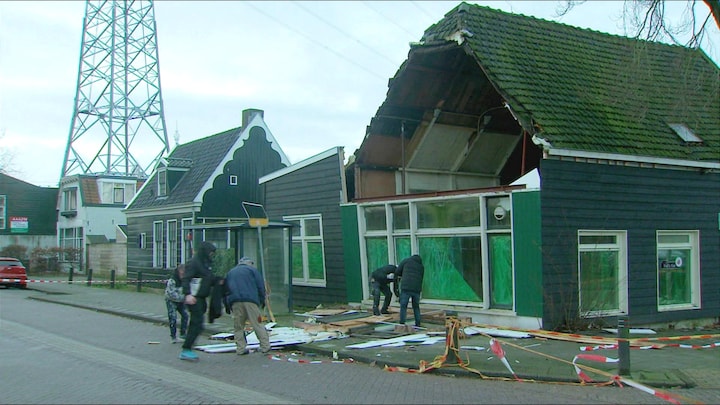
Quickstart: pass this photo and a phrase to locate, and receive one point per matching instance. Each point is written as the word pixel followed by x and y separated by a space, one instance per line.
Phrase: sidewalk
pixel 532 358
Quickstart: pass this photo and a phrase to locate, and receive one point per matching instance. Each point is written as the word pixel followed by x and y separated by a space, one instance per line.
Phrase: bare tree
pixel 6 157
pixel 648 19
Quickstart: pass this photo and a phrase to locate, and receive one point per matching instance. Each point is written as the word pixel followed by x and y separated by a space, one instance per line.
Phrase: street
pixel 59 354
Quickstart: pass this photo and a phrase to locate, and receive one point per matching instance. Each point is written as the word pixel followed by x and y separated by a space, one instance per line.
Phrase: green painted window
pixel 308 257
pixel 678 270
pixel 453 267
pixel 500 262
pixel 602 273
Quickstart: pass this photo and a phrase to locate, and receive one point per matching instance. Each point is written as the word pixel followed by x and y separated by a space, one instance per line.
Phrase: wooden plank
pixel 382 342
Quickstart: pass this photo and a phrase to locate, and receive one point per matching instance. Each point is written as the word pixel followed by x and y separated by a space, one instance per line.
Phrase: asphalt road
pixel 58 354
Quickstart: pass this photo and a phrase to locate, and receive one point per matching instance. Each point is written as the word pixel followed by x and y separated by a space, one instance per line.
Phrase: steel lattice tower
pixel 118 102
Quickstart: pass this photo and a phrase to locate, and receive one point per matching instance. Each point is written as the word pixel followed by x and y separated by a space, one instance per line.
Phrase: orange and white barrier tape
pixel 591 357
pixel 500 353
pixel 292 359
pixel 679 345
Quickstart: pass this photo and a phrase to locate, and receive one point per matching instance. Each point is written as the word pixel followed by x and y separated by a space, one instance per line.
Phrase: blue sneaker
pixel 188 354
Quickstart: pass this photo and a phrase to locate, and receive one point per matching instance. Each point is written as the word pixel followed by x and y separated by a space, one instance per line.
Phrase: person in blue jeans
pixel 409 276
pixel 174 301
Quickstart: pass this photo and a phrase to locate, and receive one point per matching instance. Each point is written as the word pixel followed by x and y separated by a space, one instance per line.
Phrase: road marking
pixel 222 391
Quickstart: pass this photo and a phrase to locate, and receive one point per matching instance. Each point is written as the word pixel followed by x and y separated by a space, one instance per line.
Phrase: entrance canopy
pixel 269 244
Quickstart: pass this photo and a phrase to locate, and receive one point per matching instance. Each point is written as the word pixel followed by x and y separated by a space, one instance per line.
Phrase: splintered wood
pixel 344 321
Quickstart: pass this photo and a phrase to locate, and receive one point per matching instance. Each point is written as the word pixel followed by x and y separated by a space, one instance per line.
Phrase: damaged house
pixel 549 176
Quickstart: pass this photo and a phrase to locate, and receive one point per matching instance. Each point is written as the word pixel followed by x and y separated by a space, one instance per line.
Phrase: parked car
pixel 12 273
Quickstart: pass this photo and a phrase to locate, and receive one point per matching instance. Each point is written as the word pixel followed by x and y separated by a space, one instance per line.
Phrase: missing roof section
pixel 685 133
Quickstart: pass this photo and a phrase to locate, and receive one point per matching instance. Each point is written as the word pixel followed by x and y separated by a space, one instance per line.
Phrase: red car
pixel 12 273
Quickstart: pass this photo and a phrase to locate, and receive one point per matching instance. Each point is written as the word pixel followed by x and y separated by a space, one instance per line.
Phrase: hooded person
pixel 409 277
pixel 197 283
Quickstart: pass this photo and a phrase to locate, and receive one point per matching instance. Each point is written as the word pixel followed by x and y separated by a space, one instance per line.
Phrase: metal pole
pixel 139 280
pixel 112 279
pixel 89 277
pixel 623 347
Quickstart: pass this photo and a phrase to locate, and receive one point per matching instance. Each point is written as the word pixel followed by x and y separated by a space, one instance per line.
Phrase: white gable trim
pixel 256 121
pixel 631 158
pixel 299 165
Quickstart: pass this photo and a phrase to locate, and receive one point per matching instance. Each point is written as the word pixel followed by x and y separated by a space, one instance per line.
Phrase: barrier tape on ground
pixel 680 345
pixel 667 396
pixel 453 326
pixel 18 280
pixel 281 357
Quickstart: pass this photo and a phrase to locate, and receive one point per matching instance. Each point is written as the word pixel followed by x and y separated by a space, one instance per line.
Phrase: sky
pixel 319 69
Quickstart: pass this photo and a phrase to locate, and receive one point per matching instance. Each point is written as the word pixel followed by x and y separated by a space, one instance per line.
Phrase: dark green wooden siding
pixel 27 200
pixel 314 189
pixel 641 201
pixel 141 259
pixel 253 160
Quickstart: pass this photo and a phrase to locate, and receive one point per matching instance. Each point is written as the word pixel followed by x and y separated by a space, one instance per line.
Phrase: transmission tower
pixel 118 102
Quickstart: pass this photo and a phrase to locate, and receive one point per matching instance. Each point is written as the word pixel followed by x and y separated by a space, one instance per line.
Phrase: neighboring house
pixel 549 176
pixel 90 209
pixel 105 256
pixel 27 214
pixel 308 195
pixel 202 182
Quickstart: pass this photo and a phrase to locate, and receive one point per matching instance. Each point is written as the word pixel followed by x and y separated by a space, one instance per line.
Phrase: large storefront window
pixel 678 270
pixel 453 268
pixel 451 235
pixel 602 272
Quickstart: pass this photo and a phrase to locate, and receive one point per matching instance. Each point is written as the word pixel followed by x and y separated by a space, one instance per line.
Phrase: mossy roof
pixel 591 91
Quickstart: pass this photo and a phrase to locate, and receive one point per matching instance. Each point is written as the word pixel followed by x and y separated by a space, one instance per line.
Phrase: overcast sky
pixel 318 69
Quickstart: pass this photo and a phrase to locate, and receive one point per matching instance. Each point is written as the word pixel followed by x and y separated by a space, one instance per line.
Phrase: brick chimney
pixel 249 113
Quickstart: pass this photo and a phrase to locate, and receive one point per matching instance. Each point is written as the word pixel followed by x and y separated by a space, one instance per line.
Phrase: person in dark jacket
pixel 380 280
pixel 409 277
pixel 245 288
pixel 197 283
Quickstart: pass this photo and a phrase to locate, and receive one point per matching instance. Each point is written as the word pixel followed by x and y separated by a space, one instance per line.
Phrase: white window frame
pixel 233 180
pixel 693 244
pixel 171 242
pixel 301 241
pixel 70 199
pixel 157 244
pixel 619 246
pixel 162 182
pixel 186 244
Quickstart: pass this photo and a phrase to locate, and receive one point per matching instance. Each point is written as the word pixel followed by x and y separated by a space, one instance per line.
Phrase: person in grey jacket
pixel 409 276
pixel 245 288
